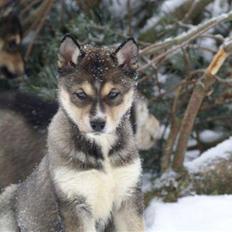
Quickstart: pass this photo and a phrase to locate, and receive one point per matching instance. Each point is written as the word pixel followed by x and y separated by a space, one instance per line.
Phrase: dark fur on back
pixel 36 111
pixel 23 129
pixel 21 148
pixel 10 25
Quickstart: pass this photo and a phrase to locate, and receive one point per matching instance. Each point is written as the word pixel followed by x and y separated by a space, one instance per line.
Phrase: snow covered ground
pixel 191 214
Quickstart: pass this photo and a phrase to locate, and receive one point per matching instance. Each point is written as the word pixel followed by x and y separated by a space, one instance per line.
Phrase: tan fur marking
pixel 88 89
pixel 115 113
pixel 107 88
pixel 13 62
pixel 16 38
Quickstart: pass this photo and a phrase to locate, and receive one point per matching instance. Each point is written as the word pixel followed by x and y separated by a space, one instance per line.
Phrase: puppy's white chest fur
pixel 102 189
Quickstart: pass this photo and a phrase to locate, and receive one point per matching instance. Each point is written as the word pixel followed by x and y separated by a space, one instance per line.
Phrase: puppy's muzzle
pixel 98 125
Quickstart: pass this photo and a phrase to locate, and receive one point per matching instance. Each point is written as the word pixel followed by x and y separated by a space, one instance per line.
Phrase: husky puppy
pixel 90 178
pixel 24 117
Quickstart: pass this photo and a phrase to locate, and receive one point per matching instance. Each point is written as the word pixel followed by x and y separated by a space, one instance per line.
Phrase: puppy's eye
pixel 12 45
pixel 81 95
pixel 113 94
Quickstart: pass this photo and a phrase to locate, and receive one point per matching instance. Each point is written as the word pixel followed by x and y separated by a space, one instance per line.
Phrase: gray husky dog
pixel 90 178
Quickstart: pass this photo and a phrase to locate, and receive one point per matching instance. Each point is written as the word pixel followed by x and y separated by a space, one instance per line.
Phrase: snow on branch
pixel 186 37
pixel 211 156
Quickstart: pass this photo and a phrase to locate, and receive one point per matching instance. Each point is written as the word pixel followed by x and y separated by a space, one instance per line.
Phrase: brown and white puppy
pixel 24 117
pixel 11 60
pixel 90 178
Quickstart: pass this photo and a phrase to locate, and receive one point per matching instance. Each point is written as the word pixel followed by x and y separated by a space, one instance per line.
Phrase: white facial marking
pixel 84 124
pixel 125 106
pixel 72 111
pixel 99 114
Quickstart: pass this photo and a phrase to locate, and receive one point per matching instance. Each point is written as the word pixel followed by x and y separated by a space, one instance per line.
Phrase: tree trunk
pixel 200 91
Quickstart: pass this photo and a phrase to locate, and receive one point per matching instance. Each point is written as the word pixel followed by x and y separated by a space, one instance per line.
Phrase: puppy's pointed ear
pixel 69 52
pixel 127 55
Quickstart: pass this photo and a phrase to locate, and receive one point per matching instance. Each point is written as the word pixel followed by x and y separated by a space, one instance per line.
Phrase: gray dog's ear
pixel 69 52
pixel 127 54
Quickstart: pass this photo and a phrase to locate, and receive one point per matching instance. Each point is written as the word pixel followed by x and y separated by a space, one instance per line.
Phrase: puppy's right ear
pixel 69 52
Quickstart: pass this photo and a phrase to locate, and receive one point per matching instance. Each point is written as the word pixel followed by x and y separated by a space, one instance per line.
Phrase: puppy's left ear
pixel 127 55
pixel 69 52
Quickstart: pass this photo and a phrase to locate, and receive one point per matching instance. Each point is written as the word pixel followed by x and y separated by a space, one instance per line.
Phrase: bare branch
pixel 201 89
pixel 44 9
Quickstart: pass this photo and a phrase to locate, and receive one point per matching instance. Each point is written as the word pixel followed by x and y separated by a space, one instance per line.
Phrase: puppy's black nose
pixel 98 124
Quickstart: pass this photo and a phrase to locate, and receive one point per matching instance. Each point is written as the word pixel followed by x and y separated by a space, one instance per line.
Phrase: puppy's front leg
pixel 129 217
pixel 77 218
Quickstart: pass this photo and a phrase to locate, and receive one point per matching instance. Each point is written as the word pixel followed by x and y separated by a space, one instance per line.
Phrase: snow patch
pixel 207 43
pixel 162 78
pixel 119 8
pixel 190 214
pixel 164 131
pixel 167 7
pixel 147 182
pixel 151 23
pixel 218 7
pixel 221 151
pixel 191 155
pixel 166 180
pixel 171 5
pixel 192 142
pixel 208 136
